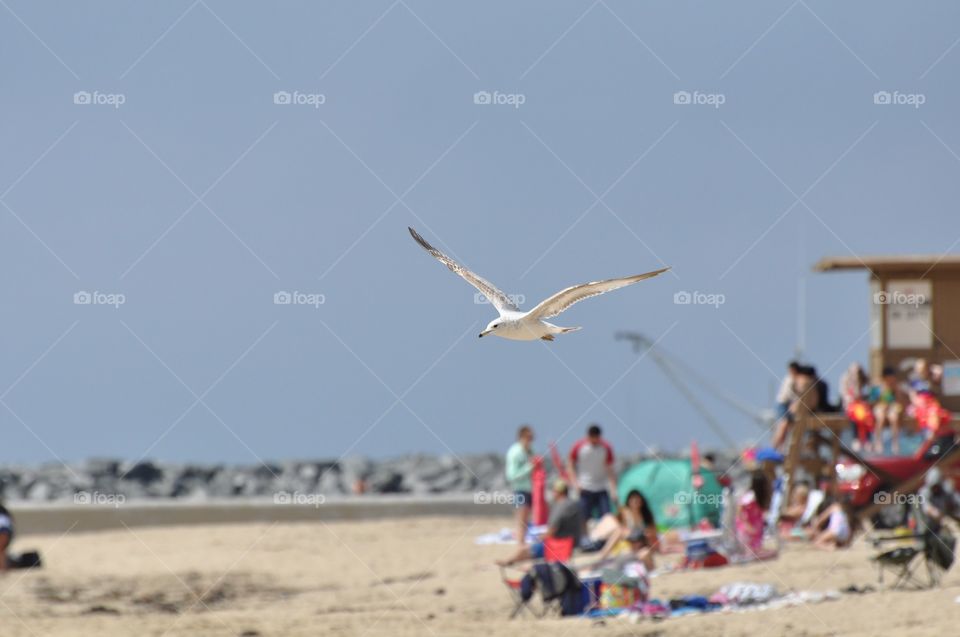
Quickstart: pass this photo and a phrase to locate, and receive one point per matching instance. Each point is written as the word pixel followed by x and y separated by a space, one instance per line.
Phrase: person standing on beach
pixel 6 535
pixel 590 466
pixel 519 465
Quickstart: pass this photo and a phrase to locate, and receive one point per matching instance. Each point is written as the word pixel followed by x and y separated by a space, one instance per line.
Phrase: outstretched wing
pixel 565 298
pixel 499 300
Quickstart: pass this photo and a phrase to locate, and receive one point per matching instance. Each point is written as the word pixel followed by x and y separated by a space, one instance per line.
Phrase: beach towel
pixel 505 536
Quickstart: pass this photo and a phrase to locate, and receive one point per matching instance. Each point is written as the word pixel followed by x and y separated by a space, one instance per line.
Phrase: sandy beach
pixel 415 576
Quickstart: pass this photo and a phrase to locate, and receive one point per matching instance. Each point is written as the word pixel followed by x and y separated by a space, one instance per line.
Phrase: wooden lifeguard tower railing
pixel 812 436
pixel 816 446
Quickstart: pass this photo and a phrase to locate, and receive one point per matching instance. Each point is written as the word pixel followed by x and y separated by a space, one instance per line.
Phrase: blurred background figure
pixel 518 468
pixel 6 536
pixel 939 500
pixel 786 394
pixel 752 508
pixel 853 385
pixel 591 469
pixel 889 402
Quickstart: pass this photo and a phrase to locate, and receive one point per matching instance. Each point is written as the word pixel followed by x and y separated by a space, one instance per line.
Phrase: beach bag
pixel 620 589
pixel 28 559
pixel 618 596
pixel 552 578
pixel 940 547
pixel 574 601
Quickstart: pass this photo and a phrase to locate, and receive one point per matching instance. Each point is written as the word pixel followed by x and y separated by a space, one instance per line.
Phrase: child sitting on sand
pixel 836 527
pixel 791 518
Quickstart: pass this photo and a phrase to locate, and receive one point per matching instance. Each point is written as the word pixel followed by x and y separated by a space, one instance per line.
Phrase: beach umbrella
pixel 558 463
pixel 696 478
pixel 667 486
pixel 540 510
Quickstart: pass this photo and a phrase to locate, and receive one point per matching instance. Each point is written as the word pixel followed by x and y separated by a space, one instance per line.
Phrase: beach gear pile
pixel 735 597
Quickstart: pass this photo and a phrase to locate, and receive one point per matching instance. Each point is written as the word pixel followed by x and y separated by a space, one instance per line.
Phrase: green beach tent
pixel 667 485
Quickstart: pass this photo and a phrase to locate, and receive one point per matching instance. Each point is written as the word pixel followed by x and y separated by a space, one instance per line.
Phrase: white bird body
pixel 520 326
pixel 517 325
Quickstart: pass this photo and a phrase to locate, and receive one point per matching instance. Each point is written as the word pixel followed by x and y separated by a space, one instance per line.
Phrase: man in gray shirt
pixel 565 521
pixel 566 515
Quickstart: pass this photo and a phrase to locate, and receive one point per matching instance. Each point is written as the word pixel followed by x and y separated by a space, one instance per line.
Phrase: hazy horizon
pixel 199 158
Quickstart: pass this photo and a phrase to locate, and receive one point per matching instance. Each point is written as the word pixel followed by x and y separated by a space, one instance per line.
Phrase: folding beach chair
pixel 551 576
pixel 919 562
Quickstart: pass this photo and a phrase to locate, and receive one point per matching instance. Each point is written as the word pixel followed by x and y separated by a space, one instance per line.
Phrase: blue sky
pixel 178 185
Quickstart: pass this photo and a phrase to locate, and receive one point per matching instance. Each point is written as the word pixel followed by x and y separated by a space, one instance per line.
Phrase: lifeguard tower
pixel 914 306
pixel 914 312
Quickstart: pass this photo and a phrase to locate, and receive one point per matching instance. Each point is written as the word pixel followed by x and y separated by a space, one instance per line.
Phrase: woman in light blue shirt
pixel 518 468
pixel 6 535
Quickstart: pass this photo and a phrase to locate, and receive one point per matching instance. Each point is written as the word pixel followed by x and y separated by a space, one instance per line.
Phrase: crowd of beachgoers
pixel 614 529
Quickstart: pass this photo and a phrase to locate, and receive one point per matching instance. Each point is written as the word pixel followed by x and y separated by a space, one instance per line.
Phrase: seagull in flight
pixel 517 325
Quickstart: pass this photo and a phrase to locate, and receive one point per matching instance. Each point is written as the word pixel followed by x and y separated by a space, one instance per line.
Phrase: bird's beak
pixel 484 333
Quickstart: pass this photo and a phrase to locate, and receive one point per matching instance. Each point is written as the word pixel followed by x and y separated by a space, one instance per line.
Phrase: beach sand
pixel 415 576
